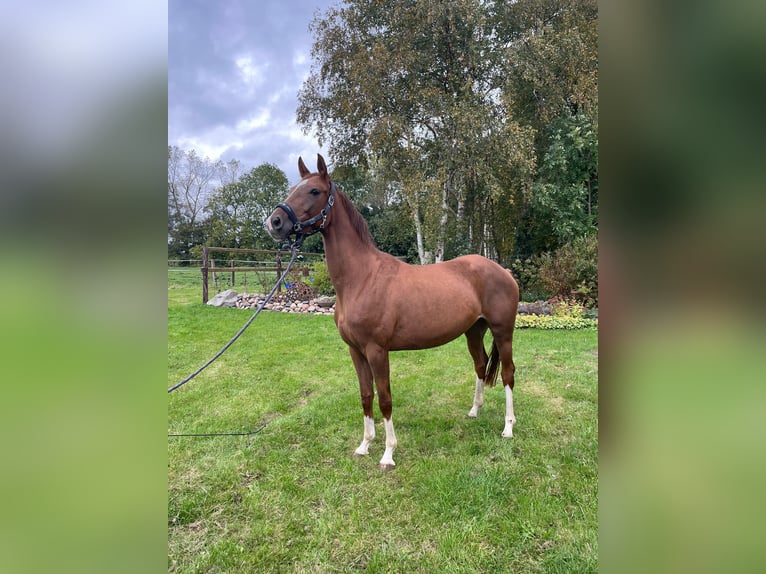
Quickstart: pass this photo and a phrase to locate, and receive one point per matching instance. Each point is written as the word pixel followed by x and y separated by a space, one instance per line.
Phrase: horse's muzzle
pixel 277 226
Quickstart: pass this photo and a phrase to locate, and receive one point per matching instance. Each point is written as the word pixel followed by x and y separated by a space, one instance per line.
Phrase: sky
pixel 234 71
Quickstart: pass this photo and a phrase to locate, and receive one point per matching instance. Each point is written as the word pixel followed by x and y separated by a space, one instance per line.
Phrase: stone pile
pixel 536 308
pixel 280 304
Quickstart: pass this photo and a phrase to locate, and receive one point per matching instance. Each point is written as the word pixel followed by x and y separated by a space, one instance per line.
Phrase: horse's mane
pixel 357 221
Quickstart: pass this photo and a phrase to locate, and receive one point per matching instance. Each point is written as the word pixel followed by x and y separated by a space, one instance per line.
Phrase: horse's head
pixel 306 208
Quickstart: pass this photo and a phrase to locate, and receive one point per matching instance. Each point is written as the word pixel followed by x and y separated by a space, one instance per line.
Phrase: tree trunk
pixel 418 230
pixel 442 236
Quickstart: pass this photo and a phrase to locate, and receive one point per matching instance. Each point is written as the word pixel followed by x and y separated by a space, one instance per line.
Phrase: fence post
pixel 279 272
pixel 215 275
pixel 232 273
pixel 204 274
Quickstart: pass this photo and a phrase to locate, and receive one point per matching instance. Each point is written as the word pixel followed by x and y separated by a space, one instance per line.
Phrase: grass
pixel 292 499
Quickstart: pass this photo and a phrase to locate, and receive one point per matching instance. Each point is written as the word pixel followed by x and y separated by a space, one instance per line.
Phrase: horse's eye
pixel 314 191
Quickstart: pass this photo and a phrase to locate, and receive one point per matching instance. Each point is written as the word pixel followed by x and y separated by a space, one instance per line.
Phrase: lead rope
pixel 295 247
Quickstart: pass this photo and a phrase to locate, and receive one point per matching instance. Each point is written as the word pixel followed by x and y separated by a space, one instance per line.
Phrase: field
pixel 291 498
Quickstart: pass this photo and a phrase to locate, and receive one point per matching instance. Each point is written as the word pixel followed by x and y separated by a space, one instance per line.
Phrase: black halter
pixel 299 226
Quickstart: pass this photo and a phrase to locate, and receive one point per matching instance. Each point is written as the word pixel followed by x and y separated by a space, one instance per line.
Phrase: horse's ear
pixel 302 169
pixel 321 166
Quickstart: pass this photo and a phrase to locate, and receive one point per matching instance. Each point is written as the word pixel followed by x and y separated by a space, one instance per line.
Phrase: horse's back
pixel 479 269
pixel 494 286
pixel 457 293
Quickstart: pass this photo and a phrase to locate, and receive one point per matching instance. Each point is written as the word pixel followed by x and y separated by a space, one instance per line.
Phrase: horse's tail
pixel 490 375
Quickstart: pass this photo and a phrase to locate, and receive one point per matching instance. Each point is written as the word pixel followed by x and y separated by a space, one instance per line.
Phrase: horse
pixel 384 304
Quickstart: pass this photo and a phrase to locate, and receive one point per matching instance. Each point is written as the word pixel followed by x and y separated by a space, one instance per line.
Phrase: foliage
pixel 186 238
pixel 391 225
pixel 191 180
pixel 299 291
pixel 550 51
pixel 565 197
pixel 320 279
pixel 393 231
pixel 527 275
pixel 549 322
pixel 416 86
pixel 238 209
pixel 572 270
pixel 566 307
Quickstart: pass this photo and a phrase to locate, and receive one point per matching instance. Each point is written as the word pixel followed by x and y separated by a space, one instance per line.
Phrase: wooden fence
pixel 208 265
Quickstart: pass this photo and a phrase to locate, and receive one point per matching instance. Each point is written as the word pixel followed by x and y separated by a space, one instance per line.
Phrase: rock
pixel 280 303
pixel 536 308
pixel 326 302
pixel 226 298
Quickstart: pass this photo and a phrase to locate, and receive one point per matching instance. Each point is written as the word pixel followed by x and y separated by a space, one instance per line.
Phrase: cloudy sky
pixel 234 71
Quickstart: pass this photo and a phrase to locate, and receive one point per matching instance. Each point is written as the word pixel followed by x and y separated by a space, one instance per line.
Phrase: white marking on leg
pixel 388 456
pixel 369 434
pixel 478 398
pixel 510 420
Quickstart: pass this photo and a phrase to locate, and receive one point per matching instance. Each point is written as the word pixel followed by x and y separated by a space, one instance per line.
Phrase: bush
pixel 527 274
pixel 572 271
pixel 299 291
pixel 550 322
pixel 321 281
pixel 566 307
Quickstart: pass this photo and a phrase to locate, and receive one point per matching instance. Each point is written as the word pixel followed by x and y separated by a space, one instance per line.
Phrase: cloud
pixel 254 122
pixel 299 59
pixel 233 77
pixel 252 74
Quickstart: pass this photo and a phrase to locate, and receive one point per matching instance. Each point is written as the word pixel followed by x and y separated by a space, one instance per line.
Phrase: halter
pixel 299 226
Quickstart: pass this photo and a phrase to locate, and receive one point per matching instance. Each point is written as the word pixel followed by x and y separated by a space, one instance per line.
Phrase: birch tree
pixel 415 85
pixel 191 181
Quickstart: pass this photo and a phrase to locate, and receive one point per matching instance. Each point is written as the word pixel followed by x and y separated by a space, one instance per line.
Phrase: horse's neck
pixel 349 260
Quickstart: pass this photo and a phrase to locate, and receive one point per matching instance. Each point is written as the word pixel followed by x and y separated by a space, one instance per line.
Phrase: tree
pixel 565 196
pixel 550 60
pixel 238 209
pixel 469 109
pixel 191 180
pixel 414 84
pixel 380 203
pixel 551 86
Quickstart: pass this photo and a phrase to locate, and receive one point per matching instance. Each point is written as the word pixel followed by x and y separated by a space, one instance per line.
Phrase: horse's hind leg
pixel 475 339
pixel 505 346
pixel 364 374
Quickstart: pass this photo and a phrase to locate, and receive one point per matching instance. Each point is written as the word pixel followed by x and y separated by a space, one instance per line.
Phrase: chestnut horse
pixel 383 304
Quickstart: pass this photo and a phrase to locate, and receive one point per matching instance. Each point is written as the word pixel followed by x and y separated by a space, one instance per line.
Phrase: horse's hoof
pixel 358 454
pixel 386 467
pixel 472 414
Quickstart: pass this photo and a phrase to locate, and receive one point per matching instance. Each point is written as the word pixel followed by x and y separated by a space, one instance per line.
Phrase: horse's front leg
pixel 378 360
pixel 364 374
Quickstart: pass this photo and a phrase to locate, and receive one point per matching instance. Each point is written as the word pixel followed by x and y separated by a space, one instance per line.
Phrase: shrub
pixel 299 291
pixel 572 271
pixel 321 281
pixel 566 307
pixel 527 274
pixel 550 322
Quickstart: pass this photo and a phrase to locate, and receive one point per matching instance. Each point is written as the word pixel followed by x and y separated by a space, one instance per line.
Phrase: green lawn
pixel 292 498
